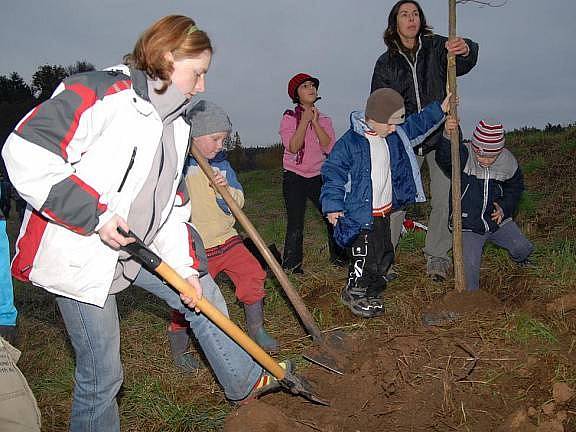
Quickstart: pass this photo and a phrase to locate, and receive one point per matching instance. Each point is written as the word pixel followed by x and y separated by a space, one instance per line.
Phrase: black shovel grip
pixel 140 251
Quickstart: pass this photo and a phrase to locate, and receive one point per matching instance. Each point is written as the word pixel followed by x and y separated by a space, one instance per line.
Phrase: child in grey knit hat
pixel 225 250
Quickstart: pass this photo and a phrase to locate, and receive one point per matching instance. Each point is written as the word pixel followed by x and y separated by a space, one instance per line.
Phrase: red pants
pixel 243 269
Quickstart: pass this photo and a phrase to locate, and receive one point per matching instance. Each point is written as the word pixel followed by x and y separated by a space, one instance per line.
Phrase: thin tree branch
pixel 484 2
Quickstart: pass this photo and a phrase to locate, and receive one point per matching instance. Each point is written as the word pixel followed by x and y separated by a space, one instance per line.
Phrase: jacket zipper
pixel 414 76
pixel 464 193
pixel 420 149
pixel 130 165
pixel 485 199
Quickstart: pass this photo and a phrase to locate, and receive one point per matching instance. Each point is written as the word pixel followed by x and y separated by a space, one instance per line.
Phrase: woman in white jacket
pixel 107 151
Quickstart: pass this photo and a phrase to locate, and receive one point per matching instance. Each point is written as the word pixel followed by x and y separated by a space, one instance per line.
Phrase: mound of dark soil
pixel 418 382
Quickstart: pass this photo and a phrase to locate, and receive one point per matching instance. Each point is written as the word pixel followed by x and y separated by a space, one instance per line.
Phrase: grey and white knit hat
pixel 206 118
pixel 488 137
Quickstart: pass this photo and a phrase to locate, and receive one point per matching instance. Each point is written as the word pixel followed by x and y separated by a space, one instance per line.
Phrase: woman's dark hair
pixel 391 36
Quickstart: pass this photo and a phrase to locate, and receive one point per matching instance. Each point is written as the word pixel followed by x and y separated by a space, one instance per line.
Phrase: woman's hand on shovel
pixel 109 233
pixel 189 301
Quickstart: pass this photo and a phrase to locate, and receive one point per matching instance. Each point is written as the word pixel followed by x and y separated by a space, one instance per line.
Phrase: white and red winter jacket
pixel 77 159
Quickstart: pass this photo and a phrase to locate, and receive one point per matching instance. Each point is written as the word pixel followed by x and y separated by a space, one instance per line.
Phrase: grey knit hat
pixel 385 105
pixel 206 118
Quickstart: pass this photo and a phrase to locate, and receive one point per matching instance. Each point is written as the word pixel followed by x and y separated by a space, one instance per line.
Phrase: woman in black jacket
pixel 415 65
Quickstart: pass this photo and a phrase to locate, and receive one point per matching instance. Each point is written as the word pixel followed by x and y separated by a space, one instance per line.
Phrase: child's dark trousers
pixel 371 255
pixel 508 236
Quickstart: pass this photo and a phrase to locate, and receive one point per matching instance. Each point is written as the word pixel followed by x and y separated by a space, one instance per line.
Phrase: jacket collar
pixel 139 83
pixel 358 122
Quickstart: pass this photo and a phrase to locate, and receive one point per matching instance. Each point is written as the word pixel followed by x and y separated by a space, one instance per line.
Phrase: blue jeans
pixel 7 309
pixel 95 336
pixel 508 236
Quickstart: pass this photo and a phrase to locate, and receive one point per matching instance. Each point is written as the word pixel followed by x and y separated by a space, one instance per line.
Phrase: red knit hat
pixel 296 81
pixel 488 137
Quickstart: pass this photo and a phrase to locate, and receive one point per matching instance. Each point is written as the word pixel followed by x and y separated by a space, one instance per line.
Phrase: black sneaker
pixel 367 307
pixel 360 304
pixel 390 276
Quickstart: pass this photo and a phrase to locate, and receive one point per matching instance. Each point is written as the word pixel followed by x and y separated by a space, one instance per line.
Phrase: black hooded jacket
pixel 427 74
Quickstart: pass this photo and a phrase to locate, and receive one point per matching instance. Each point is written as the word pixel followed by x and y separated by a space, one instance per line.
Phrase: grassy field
pixel 156 397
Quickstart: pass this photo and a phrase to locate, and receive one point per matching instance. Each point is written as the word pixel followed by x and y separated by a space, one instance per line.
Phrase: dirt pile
pixel 461 375
pixel 455 305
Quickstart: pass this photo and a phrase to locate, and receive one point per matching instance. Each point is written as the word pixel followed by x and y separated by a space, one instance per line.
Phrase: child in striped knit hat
pixel 491 187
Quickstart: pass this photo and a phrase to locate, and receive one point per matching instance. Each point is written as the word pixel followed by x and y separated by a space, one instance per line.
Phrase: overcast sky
pixel 526 72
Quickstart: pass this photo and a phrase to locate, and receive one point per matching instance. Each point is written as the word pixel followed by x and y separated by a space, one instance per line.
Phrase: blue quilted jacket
pixel 346 174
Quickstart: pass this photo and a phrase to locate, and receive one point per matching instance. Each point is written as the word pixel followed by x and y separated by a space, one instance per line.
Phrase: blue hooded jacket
pixel 346 173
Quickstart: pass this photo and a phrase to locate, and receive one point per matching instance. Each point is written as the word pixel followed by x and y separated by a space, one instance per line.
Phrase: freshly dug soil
pixel 433 379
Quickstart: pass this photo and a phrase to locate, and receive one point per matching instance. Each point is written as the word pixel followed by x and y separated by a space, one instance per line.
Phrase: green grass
pixel 147 400
pixel 560 256
pixel 529 203
pixel 534 165
pixel 524 330
pixel 60 381
pixel 568 146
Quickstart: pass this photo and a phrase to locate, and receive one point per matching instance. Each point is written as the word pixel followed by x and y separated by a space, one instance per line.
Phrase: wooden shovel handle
pixel 291 293
pixel 220 320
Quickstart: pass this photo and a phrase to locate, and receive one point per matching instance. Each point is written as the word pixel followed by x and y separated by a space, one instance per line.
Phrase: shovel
pixel 326 345
pixel 291 382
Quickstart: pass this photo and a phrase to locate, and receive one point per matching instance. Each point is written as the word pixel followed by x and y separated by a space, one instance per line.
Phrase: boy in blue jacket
pixel 491 185
pixel 371 170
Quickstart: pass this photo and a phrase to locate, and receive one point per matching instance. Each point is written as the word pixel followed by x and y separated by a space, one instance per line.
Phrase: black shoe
pixel 361 304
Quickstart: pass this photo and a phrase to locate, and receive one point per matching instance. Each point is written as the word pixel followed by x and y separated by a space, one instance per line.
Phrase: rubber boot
pixel 183 359
pixel 255 324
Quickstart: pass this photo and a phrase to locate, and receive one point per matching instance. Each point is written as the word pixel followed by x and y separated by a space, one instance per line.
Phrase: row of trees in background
pixel 17 97
pixel 251 158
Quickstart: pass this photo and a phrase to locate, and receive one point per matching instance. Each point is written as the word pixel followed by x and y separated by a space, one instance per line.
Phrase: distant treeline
pixel 17 97
pixel 251 158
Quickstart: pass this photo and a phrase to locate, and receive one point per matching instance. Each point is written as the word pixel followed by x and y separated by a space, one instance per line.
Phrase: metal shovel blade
pixel 331 352
pixel 297 385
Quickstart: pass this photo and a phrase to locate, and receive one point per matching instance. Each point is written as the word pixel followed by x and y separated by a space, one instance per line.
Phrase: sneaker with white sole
pixel 267 383
pixel 360 303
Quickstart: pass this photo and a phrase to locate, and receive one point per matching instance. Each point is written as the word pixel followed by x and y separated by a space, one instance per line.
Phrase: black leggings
pixel 297 190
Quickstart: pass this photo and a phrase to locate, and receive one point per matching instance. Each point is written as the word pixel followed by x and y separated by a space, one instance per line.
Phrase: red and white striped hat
pixel 488 137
